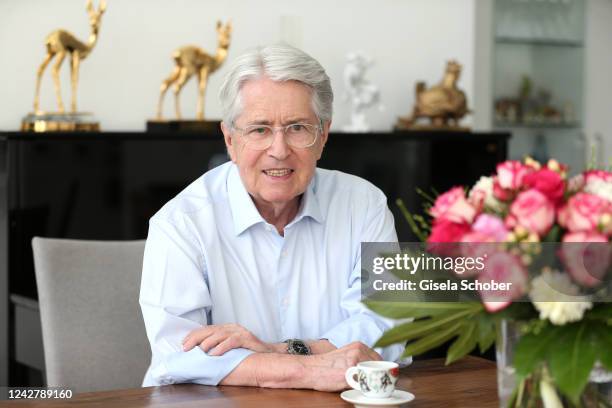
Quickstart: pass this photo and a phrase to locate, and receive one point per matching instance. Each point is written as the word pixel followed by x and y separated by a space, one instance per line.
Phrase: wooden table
pixel 470 382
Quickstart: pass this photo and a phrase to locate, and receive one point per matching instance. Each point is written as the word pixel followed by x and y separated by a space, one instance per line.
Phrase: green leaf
pixel 553 235
pixel 401 310
pixel 603 344
pixel 432 340
pixel 518 311
pixel 600 312
pixel 411 221
pixel 486 331
pixel 464 343
pixel 571 359
pixel 532 349
pixel 413 330
pixel 429 198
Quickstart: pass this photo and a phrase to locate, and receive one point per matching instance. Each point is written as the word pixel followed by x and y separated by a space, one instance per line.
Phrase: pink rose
pixel 487 229
pixel 597 175
pixel 510 222
pixel 586 256
pixel 502 194
pixel 444 230
pixel 583 212
pixel 444 237
pixel 584 236
pixel 533 211
pixel 453 206
pixel 493 306
pixel 491 226
pixel 476 237
pixel 511 174
pixel 477 199
pixel 599 183
pixel 548 182
pixel 503 267
pixel 475 245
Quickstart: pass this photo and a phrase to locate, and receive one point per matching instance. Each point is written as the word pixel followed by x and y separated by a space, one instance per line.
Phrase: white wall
pixel 483 65
pixel 410 40
pixel 598 72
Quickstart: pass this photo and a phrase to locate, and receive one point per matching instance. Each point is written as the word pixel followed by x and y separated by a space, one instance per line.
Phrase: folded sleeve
pixel 361 324
pixel 175 300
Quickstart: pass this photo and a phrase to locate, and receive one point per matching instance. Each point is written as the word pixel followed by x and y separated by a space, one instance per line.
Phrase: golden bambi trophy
pixel 443 105
pixel 189 61
pixel 61 44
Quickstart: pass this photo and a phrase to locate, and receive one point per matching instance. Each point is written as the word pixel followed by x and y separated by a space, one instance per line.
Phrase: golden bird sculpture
pixel 443 104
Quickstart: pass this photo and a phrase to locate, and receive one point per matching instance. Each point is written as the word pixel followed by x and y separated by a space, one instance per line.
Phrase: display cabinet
pixel 538 78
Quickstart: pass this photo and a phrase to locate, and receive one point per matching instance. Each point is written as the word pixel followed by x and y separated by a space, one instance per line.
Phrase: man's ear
pixel 324 136
pixel 229 142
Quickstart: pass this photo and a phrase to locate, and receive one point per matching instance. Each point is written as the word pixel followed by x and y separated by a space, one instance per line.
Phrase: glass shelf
pixel 536 125
pixel 539 41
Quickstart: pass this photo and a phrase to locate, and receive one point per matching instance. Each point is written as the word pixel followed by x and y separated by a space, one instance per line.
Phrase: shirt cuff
pixel 195 366
pixel 361 328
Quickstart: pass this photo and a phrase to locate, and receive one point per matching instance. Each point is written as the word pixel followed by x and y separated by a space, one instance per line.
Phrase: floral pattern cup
pixel 375 379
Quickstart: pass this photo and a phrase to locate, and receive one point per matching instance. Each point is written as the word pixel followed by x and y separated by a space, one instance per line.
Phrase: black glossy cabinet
pixel 107 185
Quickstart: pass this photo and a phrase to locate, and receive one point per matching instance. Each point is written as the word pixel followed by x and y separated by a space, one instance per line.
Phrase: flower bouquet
pixel 553 322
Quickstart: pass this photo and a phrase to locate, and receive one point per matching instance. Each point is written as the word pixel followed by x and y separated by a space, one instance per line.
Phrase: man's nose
pixel 279 148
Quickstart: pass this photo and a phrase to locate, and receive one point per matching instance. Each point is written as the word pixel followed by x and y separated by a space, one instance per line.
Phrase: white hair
pixel 280 63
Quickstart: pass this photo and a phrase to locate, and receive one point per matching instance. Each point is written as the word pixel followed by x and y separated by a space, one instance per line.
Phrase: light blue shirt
pixel 211 258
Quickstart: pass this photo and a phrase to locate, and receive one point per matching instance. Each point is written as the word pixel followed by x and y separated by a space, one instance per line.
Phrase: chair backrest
pixel 93 332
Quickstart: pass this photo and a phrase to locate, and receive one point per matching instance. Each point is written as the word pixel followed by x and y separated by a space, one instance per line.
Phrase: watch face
pixel 298 347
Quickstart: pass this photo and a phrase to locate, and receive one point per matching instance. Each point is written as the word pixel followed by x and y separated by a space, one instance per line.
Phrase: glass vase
pixel 539 388
pixel 600 382
pixel 508 334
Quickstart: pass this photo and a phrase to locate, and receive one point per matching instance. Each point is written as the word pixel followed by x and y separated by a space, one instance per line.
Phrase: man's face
pixel 280 173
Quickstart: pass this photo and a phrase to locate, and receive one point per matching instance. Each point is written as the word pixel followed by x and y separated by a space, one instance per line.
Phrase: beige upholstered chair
pixel 93 333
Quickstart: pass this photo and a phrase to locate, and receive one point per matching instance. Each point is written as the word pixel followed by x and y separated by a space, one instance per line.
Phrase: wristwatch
pixel 297 347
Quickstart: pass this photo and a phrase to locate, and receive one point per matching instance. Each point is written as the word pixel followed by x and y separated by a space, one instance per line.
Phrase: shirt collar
pixel 245 214
pixel 309 206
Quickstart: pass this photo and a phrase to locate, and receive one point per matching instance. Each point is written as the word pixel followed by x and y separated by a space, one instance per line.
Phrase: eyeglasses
pixel 261 137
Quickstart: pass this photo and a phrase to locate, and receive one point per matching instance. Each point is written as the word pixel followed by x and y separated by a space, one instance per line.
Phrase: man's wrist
pixel 321 346
pixel 316 347
pixel 282 371
pixel 279 348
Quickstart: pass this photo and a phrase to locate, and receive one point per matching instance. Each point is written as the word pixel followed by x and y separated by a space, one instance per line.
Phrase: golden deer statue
pixel 443 104
pixel 191 60
pixel 61 42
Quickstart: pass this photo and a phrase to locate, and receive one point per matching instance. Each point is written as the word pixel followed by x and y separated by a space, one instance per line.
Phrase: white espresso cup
pixel 375 379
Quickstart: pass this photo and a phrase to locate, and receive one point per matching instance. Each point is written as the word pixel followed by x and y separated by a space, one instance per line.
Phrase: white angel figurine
pixel 361 93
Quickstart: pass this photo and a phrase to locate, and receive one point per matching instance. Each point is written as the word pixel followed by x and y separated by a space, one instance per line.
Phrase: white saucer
pixel 361 401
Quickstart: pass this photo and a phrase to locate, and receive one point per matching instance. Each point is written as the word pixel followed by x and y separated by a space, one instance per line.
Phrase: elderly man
pixel 251 275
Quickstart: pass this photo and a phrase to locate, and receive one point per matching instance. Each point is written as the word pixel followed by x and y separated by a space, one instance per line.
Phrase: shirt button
pixel 284 252
pixel 286 301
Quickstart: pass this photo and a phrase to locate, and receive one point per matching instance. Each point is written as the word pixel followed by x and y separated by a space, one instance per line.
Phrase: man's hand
pixel 217 340
pixel 323 372
pixel 345 357
pixel 320 346
pixel 327 369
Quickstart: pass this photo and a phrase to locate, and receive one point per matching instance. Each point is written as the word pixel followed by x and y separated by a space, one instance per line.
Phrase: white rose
pixel 599 188
pixel 557 299
pixel 484 187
